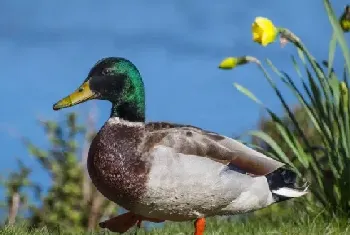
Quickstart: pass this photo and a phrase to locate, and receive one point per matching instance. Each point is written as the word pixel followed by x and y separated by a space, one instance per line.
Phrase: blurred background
pixel 47 48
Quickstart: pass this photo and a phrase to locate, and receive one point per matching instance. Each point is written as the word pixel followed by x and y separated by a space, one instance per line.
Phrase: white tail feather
pixel 289 192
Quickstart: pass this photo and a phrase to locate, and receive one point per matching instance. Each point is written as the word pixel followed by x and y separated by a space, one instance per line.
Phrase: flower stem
pixel 290 36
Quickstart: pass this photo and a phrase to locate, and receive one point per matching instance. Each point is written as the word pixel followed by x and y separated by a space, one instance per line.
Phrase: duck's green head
pixel 114 79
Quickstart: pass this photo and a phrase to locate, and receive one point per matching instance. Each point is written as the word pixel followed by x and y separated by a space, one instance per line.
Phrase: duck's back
pixel 182 187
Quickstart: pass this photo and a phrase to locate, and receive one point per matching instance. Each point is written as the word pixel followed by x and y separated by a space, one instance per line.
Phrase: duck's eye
pixel 106 71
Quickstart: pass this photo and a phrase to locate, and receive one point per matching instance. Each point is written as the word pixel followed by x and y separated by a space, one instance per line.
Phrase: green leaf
pixel 301 55
pixel 247 92
pixel 296 67
pixel 331 53
pixel 290 83
pixel 274 146
pixel 311 112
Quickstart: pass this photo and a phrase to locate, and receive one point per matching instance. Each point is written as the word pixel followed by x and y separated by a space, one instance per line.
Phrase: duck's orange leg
pixel 139 223
pixel 199 226
pixel 124 222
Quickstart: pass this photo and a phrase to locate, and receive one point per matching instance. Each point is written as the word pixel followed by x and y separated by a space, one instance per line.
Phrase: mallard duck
pixel 164 171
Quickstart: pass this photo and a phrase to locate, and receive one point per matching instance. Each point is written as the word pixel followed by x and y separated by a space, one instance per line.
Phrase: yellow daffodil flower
pixel 343 87
pixel 344 94
pixel 345 19
pixel 232 62
pixel 264 31
pixel 228 63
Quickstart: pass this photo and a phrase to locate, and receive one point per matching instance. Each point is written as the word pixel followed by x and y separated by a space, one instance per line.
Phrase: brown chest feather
pixel 114 165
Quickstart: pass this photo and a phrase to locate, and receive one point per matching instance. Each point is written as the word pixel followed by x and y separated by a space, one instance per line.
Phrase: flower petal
pixel 264 31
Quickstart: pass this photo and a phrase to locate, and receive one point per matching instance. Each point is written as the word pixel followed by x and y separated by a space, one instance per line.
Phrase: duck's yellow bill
pixel 83 93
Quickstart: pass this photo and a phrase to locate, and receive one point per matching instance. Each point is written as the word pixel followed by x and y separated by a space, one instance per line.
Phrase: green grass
pixel 294 225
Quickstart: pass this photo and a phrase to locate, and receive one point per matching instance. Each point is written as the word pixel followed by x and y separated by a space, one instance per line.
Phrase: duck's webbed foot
pixel 124 222
pixel 199 226
pixel 120 223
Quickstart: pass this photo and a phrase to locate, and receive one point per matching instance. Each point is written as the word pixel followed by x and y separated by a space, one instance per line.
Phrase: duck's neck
pixel 128 111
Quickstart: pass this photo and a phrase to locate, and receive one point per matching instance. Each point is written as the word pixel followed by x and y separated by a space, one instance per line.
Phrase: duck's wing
pixel 190 140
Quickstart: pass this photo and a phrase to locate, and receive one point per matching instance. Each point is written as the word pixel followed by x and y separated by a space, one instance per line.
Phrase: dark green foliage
pixel 71 202
pixel 15 184
pixel 314 139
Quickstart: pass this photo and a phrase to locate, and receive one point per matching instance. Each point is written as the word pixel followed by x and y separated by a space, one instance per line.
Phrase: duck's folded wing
pixel 194 141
